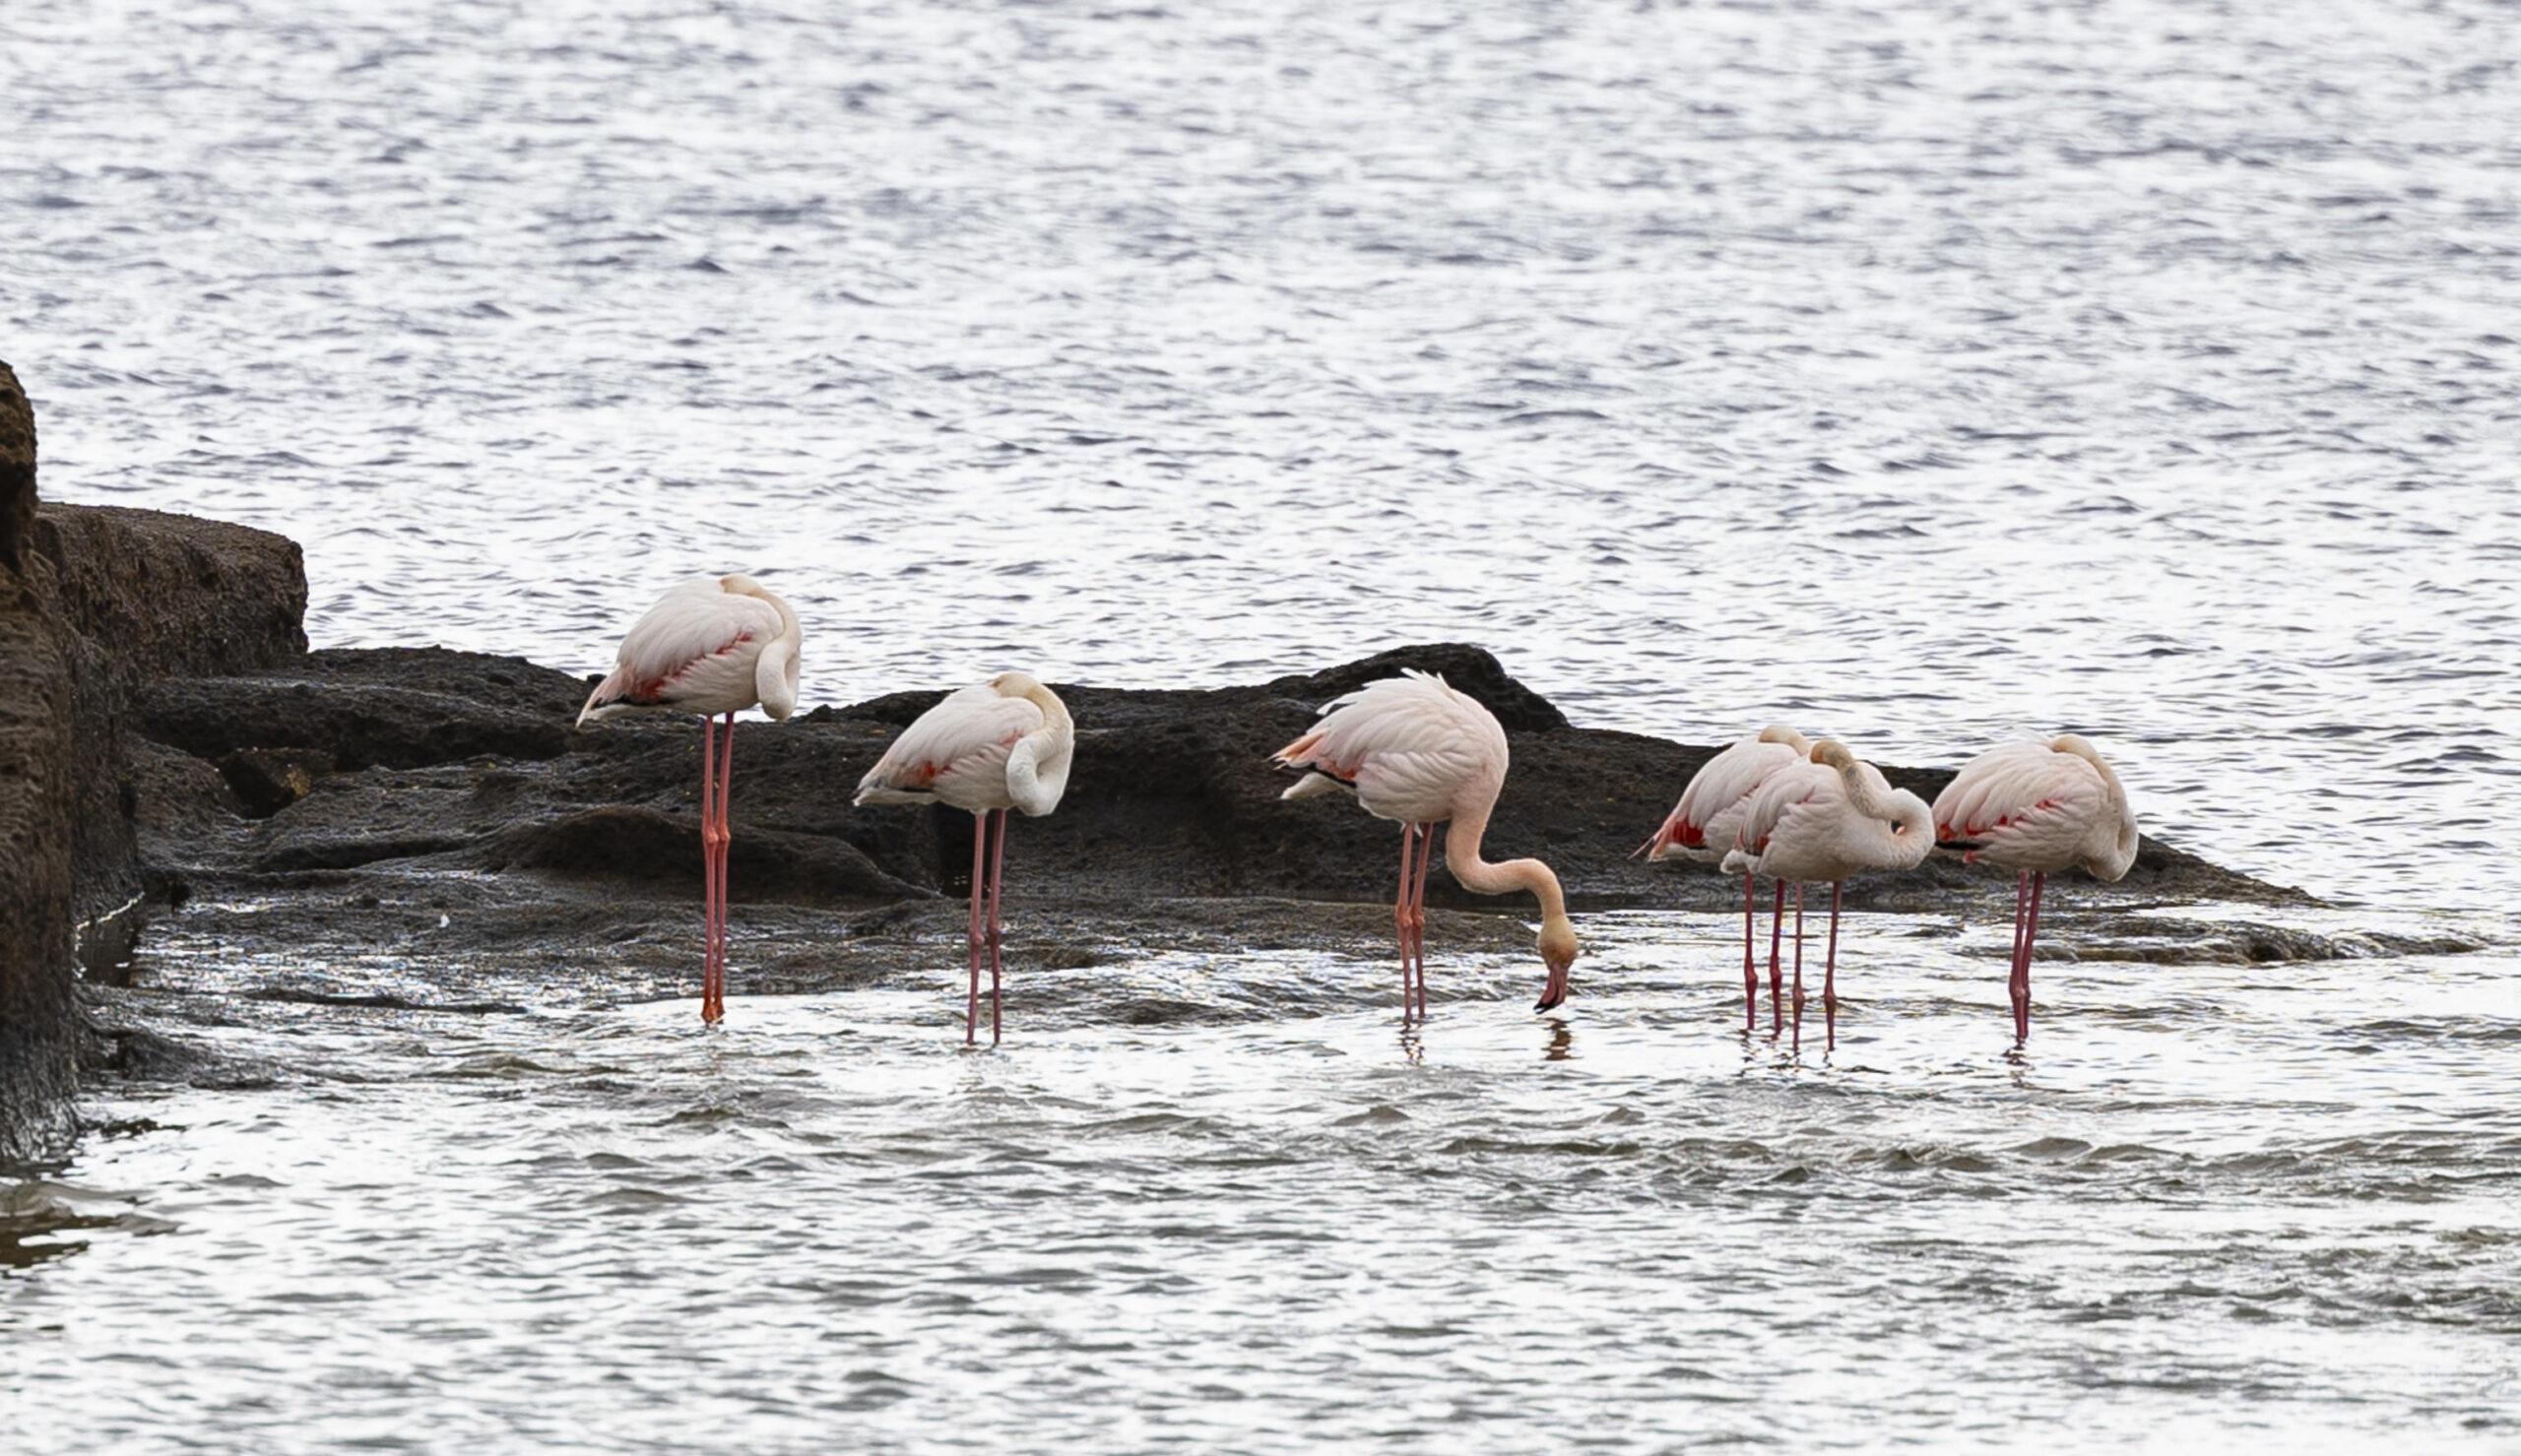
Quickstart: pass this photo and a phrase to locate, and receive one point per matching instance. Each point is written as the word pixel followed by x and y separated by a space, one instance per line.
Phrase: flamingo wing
pixel 2023 799
pixel 1783 799
pixel 1405 744
pixel 1721 785
pixel 953 751
pixel 698 643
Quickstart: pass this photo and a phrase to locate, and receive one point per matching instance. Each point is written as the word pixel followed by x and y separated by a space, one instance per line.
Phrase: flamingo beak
pixel 1554 993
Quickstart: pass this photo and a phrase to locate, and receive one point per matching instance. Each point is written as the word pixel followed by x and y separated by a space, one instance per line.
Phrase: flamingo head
pixel 1911 825
pixel 1558 952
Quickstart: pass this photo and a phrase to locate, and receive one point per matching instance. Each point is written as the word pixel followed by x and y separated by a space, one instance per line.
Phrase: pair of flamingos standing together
pixel 1412 750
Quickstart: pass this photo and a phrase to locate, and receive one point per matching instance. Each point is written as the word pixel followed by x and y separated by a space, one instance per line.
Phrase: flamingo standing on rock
pixel 2034 808
pixel 1419 752
pixel 1702 826
pixel 710 646
pixel 1826 818
pixel 997 746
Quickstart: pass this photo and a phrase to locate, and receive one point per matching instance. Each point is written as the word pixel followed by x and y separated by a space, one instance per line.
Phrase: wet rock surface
pixel 468 762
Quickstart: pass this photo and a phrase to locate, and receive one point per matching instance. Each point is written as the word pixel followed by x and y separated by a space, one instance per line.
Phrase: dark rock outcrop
pixel 37 1014
pixel 16 474
pixel 169 596
pixel 94 602
pixel 460 761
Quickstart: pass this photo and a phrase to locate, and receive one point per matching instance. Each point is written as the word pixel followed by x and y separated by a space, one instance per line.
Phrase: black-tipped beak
pixel 1553 995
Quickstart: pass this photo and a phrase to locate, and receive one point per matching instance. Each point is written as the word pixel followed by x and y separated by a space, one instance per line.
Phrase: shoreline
pixel 308 809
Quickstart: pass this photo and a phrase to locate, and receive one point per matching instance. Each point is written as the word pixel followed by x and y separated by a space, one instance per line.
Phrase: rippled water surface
pixel 1924 373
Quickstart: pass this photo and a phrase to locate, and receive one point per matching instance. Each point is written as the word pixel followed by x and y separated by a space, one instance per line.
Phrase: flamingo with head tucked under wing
pixel 1419 752
pixel 1826 818
pixel 2034 808
pixel 1702 825
pixel 998 745
pixel 710 646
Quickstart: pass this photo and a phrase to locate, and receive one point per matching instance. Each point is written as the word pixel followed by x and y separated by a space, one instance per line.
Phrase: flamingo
pixel 997 746
pixel 1826 818
pixel 2033 809
pixel 710 646
pixel 1416 751
pixel 1702 825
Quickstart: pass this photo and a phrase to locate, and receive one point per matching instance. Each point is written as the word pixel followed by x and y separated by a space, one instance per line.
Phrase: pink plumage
pixel 2041 807
pixel 715 645
pixel 960 752
pixel 2036 808
pixel 1708 815
pixel 711 645
pixel 1414 751
pixel 1827 817
pixel 994 746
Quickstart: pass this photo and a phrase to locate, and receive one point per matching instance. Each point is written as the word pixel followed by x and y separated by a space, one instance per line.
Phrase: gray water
pixel 1927 374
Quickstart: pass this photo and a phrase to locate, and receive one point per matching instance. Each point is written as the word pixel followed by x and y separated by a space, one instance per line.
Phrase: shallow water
pixel 1922 373
pixel 2209 1201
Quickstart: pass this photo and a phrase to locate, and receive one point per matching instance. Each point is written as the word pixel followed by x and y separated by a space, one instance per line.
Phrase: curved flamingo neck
pixel 2114 861
pixel 789 626
pixel 1054 712
pixel 1461 856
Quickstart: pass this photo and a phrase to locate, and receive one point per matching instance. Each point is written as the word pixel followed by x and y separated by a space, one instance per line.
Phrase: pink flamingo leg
pixel 972 930
pixel 726 845
pixel 2013 967
pixel 1798 965
pixel 1776 978
pixel 1418 911
pixel 996 892
pixel 1401 910
pixel 2029 936
pixel 1830 966
pixel 708 864
pixel 1750 967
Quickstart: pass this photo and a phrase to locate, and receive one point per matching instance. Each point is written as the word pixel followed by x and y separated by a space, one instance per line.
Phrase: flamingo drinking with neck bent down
pixel 998 745
pixel 1416 751
pixel 710 646
pixel 2033 809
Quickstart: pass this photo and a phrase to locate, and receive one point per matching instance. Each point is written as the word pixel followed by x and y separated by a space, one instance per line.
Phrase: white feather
pixel 980 749
pixel 1702 825
pixel 711 645
pixel 1411 745
pixel 2040 806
